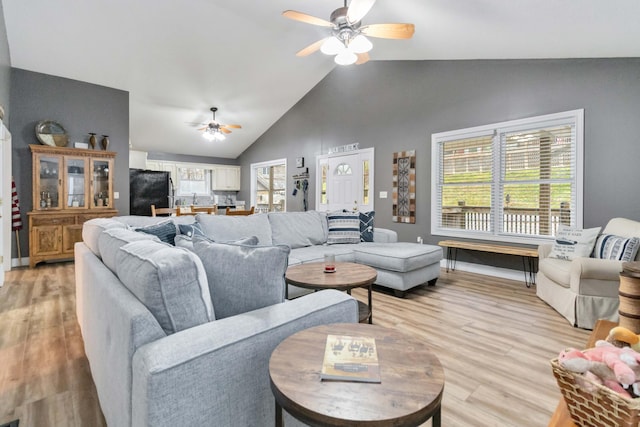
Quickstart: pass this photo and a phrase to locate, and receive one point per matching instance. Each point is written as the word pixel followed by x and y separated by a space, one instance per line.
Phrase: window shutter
pixel 514 181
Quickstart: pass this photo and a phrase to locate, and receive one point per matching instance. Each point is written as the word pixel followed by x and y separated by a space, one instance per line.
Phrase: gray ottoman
pixel 401 265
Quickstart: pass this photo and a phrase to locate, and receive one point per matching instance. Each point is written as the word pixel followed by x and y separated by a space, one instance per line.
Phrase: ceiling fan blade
pixel 358 9
pixel 225 130
pixel 203 128
pixel 231 126
pixel 311 48
pixel 362 58
pixel 303 17
pixel 389 31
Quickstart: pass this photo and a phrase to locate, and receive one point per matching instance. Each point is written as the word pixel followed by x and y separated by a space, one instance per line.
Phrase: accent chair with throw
pixel 584 288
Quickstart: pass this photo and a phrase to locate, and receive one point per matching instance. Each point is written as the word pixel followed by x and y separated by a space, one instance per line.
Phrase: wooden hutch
pixel 70 186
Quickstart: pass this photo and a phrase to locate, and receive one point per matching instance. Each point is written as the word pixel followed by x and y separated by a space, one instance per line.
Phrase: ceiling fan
pixel 215 130
pixel 348 41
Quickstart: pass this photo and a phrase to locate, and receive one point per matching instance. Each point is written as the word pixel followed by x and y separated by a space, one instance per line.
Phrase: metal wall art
pixel 404 187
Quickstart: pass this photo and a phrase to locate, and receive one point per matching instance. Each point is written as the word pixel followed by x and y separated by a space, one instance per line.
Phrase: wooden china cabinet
pixel 70 186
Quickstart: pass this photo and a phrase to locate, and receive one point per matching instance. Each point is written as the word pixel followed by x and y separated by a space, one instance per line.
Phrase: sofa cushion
pixel 344 227
pixel 111 240
pixel 343 253
pixel 618 248
pixel 401 256
pixel 298 229
pixel 242 277
pixel 183 241
pixel 165 231
pixel 91 231
pixel 573 243
pixel 366 226
pixel 171 282
pixel 222 228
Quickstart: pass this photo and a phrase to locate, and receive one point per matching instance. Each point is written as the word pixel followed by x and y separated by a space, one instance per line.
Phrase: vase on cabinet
pixel 92 140
pixel 105 142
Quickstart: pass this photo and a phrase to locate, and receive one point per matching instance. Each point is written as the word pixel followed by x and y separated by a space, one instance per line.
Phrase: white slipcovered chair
pixel 584 290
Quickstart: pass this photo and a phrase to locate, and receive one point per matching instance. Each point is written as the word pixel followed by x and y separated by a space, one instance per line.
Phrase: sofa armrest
pixel 592 276
pixel 544 250
pixel 384 235
pixel 218 373
pixel 594 268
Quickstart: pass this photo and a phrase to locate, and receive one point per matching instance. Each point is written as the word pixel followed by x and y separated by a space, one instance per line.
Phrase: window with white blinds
pixel 512 181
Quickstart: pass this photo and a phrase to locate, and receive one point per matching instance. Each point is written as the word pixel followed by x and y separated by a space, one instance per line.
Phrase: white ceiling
pixel 179 58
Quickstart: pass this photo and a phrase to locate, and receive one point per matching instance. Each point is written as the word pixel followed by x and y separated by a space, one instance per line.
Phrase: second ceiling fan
pixel 348 41
pixel 215 130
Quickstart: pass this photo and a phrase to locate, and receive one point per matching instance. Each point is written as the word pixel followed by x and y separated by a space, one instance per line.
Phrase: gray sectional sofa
pixel 400 265
pixel 178 336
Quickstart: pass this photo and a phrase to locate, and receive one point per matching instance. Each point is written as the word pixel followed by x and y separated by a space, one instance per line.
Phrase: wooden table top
pixel 490 247
pixel 561 417
pixel 348 275
pixel 410 392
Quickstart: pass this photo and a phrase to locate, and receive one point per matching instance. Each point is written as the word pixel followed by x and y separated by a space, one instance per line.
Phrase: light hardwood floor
pixel 494 338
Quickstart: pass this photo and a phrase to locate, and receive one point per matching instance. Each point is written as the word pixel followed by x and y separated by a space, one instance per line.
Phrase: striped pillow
pixel 618 248
pixel 366 226
pixel 165 230
pixel 344 227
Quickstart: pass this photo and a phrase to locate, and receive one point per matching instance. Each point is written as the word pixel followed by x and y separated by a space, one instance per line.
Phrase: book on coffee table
pixel 348 358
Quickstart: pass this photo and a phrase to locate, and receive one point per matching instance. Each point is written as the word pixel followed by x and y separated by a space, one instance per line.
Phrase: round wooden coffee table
pixel 410 391
pixel 348 275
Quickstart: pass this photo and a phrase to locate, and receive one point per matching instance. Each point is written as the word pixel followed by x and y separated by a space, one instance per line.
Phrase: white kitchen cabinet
pixel 226 178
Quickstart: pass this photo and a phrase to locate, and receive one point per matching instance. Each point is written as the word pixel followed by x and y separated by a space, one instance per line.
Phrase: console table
pixel 529 255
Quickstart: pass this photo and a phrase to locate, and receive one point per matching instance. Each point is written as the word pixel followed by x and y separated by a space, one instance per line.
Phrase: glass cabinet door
pixel 75 183
pixel 102 179
pixel 48 182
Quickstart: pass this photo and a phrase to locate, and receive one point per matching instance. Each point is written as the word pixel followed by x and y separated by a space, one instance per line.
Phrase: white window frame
pixel 172 167
pixel 267 164
pixel 575 117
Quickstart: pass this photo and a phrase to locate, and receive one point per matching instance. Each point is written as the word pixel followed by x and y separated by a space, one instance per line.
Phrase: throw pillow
pixel 171 282
pixel 243 278
pixel 618 248
pixel 166 231
pixel 573 243
pixel 344 227
pixel 190 230
pixel 366 226
pixel 112 239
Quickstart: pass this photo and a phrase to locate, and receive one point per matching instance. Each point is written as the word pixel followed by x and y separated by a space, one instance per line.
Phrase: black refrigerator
pixel 148 188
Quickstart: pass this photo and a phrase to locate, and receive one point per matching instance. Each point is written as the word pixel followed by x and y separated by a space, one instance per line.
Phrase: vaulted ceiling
pixel 179 58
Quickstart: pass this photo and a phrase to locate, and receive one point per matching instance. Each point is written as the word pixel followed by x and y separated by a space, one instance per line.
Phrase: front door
pixel 345 181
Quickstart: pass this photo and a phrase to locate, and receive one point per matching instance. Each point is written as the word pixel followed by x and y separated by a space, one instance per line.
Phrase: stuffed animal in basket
pixel 609 363
pixel 625 336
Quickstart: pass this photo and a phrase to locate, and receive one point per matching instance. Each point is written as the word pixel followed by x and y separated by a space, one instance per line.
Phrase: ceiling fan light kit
pixel 348 41
pixel 214 131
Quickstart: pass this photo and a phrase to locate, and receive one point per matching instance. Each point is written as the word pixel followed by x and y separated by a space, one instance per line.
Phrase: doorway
pixel 345 181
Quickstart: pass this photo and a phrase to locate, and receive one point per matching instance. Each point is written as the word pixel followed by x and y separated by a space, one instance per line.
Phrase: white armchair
pixel 585 289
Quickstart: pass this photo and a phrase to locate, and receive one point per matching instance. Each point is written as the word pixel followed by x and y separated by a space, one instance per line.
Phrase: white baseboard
pixel 15 262
pixel 487 270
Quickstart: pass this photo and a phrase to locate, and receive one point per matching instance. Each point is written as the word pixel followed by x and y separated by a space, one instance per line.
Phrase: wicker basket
pixel 599 407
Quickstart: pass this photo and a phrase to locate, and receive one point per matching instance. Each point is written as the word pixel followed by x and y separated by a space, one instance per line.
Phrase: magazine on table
pixel 348 358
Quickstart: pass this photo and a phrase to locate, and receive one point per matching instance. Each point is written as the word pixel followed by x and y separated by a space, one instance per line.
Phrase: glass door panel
pixel 101 170
pixel 49 180
pixel 76 185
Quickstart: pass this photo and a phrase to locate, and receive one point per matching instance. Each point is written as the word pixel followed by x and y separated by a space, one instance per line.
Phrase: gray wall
pixel 5 67
pixel 78 106
pixel 397 105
